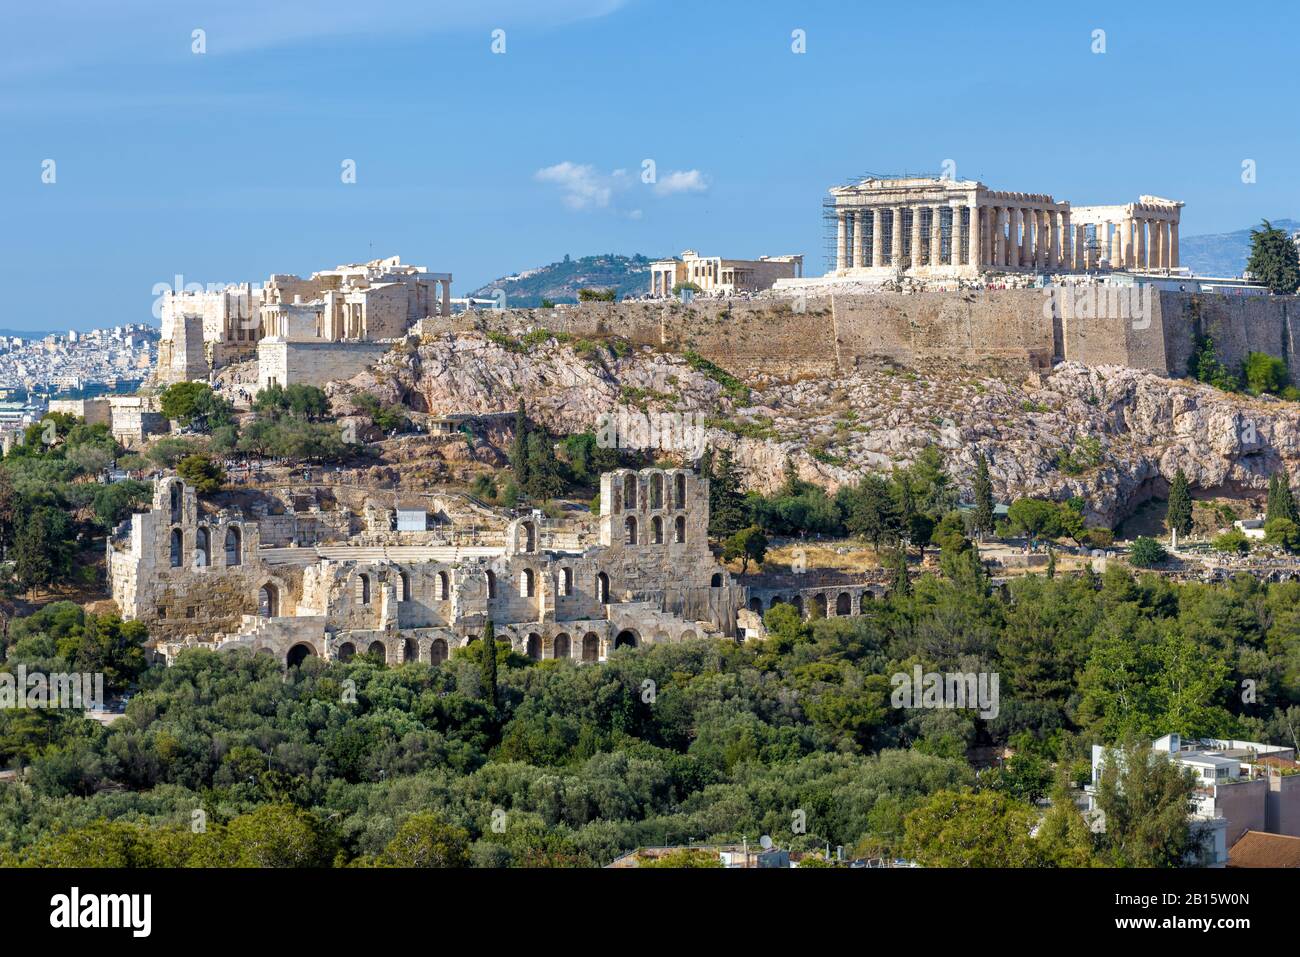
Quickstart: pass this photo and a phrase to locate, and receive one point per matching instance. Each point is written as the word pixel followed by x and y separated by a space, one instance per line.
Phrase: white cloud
pixel 682 181
pixel 581 185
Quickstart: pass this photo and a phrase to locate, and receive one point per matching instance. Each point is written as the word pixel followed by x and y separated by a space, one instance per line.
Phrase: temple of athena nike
pixel 944 228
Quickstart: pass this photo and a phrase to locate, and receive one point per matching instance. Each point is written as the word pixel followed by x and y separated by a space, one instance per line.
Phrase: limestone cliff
pixel 1111 435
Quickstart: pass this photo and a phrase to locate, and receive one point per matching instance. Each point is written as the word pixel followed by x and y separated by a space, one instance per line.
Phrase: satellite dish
pixel 765 842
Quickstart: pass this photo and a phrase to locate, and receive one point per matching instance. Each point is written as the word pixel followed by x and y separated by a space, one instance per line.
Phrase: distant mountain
pixel 1223 254
pixel 560 282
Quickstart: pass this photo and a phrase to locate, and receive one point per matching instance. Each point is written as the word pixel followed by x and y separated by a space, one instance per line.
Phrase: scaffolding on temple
pixel 831 225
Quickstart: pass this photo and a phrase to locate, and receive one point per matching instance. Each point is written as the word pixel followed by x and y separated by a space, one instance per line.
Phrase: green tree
pixel 1231 542
pixel 1146 799
pixel 519 447
pixel 748 544
pixel 425 839
pixel 1178 517
pixel 195 404
pixel 1146 552
pixel 972 829
pixel 983 488
pixel 1264 373
pixel 200 471
pixel 870 511
pixel 489 665
pixel 1281 501
pixel 1282 532
pixel 43 550
pixel 1273 259
pixel 1035 517
pixel 682 857
pixel 727 512
pixel 543 468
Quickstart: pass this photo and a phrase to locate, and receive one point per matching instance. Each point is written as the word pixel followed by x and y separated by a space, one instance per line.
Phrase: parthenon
pixel 941 228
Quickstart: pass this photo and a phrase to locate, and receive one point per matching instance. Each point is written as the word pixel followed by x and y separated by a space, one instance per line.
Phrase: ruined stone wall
pixel 313 363
pixel 1239 325
pixel 997 329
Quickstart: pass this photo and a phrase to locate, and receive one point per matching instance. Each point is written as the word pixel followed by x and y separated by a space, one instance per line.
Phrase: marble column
pixel 936 235
pixel 859 236
pixel 842 240
pixel 1042 238
pixel 1079 253
pixel 1157 259
pixel 974 249
pixel 999 244
pixel 877 238
pixel 1139 259
pixel 1173 244
pixel 1116 254
pixel 1053 240
pixel 916 235
pixel 896 237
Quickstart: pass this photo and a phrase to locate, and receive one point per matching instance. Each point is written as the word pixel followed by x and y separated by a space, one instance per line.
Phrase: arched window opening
pixel 234 547
pixel 679 530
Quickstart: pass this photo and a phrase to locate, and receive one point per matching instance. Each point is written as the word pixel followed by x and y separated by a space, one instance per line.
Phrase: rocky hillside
pixel 560 282
pixel 1110 435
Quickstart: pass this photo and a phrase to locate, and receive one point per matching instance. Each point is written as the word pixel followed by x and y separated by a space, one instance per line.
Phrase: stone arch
pixel 756 605
pixel 491 578
pixel 298 654
pixel 527 583
pixel 776 600
pixel 627 638
pixel 377 647
pixel 561 646
pixel 798 604
pixel 363 589
pixel 679 530
pixel 657 490
pixel 602 588
pixel 566 581
pixel 404 586
pixel 687 635
pixel 819 604
pixel 716 580
pixel 591 646
pixel 661 638
pixel 863 599
pixel 177 546
pixel 410 650
pixel 529 531
pixel 347 651
pixel 629 490
pixel 438 651
pixel 444 587
pixel 202 547
pixel 844 604
pixel 679 490
pixel 268 600
pixel 234 546
pixel 629 530
pixel 533 646
pixel 177 499
pixel 657 530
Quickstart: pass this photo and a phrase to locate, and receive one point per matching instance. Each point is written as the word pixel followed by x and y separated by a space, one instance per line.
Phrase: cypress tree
pixel 1281 503
pixel 519 447
pixel 983 496
pixel 1179 515
pixel 900 584
pixel 490 665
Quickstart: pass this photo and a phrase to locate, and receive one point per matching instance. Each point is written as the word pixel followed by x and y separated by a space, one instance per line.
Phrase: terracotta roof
pixel 1258 849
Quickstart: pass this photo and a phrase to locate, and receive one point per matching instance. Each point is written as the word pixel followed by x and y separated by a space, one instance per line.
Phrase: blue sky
pixel 225 166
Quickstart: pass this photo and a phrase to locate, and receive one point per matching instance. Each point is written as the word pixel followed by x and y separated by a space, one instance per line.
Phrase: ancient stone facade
pixel 336 586
pixel 946 228
pixel 205 330
pixel 713 274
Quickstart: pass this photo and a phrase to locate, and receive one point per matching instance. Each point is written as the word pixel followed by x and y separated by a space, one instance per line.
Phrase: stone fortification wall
pixel 998 329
